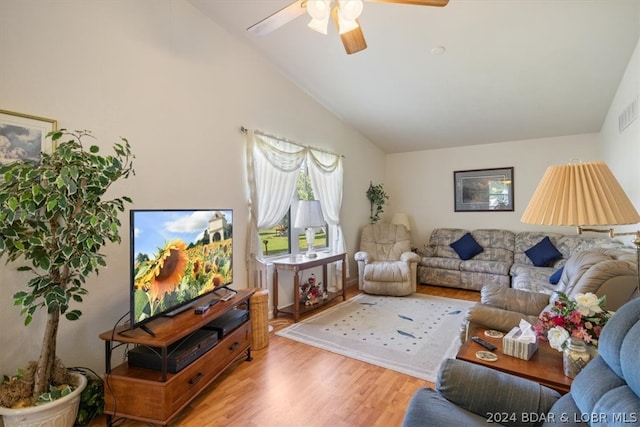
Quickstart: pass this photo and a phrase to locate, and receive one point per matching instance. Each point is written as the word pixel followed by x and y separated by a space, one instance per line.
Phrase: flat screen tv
pixel 177 256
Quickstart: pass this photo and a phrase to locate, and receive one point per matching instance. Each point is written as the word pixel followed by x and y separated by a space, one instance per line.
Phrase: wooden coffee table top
pixel 544 367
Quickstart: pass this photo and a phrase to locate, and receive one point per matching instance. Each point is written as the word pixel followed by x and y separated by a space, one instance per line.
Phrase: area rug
pixel 411 335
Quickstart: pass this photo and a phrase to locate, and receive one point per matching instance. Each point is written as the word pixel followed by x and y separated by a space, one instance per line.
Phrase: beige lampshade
pixel 309 214
pixel 580 194
pixel 401 219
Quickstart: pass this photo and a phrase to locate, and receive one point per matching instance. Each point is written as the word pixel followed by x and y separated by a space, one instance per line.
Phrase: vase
pixel 58 413
pixel 575 357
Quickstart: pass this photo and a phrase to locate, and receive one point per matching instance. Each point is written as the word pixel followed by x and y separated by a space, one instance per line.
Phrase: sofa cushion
pixel 491 267
pixel 388 271
pixel 543 253
pixel 466 247
pixel 530 278
pixel 555 277
pixel 444 263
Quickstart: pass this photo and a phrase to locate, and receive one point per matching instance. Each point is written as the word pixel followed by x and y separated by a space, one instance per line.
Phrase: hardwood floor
pixel 293 384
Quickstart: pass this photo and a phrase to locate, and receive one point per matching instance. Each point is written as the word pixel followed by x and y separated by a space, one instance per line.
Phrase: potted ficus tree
pixel 54 221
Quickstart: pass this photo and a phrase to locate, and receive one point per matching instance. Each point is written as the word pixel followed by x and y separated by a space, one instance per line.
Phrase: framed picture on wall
pixel 483 190
pixel 24 137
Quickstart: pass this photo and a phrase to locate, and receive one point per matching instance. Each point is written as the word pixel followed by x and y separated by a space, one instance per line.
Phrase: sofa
pixel 604 272
pixel 605 392
pixel 502 257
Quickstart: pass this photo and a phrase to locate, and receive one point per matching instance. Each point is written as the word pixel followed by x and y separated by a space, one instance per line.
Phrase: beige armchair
pixel 386 265
pixel 610 272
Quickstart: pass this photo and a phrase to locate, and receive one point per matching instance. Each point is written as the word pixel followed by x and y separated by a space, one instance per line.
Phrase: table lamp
pixel 401 219
pixel 309 216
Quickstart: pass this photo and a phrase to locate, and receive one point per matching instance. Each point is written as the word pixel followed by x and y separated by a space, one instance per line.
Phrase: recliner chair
pixel 610 272
pixel 605 392
pixel 386 265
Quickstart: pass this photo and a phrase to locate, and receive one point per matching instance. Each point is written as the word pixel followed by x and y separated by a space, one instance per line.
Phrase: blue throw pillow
pixel 555 277
pixel 466 247
pixel 543 253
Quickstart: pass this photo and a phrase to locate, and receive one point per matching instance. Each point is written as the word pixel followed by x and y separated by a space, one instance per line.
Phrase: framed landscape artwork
pixel 23 137
pixel 483 190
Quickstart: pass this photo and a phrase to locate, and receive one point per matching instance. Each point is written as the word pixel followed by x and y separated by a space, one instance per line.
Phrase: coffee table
pixel 544 367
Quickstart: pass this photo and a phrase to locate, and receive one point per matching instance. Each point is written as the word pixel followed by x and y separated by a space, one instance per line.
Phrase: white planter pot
pixel 59 413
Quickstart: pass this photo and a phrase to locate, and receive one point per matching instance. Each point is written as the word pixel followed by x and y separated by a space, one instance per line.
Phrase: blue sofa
pixel 605 392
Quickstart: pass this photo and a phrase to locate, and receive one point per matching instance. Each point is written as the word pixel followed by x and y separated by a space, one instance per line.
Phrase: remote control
pixel 202 309
pixel 485 344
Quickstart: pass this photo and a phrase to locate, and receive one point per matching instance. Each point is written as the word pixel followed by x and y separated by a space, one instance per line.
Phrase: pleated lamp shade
pixel 580 194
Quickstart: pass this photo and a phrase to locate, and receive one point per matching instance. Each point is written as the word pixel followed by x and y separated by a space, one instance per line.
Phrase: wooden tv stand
pixel 157 396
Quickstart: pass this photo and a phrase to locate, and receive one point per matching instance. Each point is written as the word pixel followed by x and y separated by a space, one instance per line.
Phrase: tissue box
pixel 512 347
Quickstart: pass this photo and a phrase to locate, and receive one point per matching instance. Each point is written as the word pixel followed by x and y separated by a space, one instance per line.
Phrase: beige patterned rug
pixel 412 335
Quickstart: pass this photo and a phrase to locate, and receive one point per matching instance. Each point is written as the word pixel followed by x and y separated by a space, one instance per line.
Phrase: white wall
pixel 178 87
pixel 621 150
pixel 421 183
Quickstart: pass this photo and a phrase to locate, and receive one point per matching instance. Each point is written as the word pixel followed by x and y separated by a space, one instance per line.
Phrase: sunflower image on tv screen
pixel 192 255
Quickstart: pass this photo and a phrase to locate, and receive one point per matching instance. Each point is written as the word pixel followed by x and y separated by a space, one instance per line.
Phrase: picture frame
pixel 23 137
pixel 483 190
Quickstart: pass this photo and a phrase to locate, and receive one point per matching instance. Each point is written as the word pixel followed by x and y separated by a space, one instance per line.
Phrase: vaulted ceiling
pixel 473 72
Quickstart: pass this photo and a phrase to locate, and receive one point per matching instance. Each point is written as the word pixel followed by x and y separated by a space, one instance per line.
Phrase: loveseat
pixel 605 392
pixel 501 257
pixel 604 272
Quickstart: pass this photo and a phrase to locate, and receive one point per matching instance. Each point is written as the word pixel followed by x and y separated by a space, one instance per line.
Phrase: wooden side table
pixel 544 367
pixel 298 263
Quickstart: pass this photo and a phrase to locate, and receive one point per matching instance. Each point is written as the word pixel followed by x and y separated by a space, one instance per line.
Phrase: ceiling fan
pixel 344 13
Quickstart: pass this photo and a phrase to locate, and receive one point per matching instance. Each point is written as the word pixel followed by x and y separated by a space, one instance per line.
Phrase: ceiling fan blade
pixel 279 18
pixel 353 41
pixel 437 3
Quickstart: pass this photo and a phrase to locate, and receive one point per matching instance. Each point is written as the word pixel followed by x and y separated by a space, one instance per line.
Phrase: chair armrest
pixel 426 251
pixel 410 257
pixel 490 393
pixel 362 256
pixel 486 316
pixel 521 301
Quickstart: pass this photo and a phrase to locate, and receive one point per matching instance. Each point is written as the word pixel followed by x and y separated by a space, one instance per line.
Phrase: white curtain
pixel 326 174
pixel 273 166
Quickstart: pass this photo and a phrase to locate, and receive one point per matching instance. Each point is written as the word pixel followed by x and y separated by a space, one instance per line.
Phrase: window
pixel 282 239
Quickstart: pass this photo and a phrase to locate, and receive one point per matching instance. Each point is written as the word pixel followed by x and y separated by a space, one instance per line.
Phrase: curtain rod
pixel 245 130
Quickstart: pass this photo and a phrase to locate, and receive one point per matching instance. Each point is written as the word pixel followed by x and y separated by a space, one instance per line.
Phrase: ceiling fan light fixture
pixel 350 10
pixel 319 25
pixel 346 25
pixel 319 10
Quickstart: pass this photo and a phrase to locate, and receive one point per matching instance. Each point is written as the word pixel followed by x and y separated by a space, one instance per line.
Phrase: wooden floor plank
pixel 293 384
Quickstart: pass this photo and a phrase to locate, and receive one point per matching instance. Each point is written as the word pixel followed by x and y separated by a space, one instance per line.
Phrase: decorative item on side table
pixel 309 216
pixel 575 357
pixel 572 324
pixel 312 292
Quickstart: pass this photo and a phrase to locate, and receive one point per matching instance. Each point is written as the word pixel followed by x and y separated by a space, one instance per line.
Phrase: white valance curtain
pixel 273 166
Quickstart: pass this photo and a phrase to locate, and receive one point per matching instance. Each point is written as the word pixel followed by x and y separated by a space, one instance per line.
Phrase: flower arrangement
pixel 582 318
pixel 311 292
